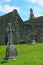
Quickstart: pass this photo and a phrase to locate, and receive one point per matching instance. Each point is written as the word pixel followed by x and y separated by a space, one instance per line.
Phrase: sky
pixel 23 7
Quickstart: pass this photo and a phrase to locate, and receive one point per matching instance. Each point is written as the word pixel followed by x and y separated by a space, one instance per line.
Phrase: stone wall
pixel 16 22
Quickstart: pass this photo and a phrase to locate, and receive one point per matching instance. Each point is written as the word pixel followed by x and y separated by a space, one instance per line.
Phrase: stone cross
pixel 11 52
pixel 10 34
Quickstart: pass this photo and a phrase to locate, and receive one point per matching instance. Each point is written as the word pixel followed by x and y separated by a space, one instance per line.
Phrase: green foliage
pixel 28 55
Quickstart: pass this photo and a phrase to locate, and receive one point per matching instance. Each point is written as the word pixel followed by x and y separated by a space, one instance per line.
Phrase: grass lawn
pixel 28 55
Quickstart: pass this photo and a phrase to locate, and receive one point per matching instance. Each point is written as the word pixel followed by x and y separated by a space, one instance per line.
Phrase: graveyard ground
pixel 27 54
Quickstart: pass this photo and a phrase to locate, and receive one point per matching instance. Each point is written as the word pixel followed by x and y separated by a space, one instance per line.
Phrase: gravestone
pixel 33 42
pixel 11 52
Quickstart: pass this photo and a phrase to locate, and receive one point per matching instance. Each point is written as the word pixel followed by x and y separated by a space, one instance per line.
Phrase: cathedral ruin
pixel 24 31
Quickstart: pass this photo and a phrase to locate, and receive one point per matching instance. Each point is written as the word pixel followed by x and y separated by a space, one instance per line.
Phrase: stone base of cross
pixel 11 52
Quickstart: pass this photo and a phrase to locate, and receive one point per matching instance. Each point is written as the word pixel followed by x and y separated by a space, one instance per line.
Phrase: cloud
pixel 7 0
pixel 1 1
pixel 8 8
pixel 33 1
pixel 39 2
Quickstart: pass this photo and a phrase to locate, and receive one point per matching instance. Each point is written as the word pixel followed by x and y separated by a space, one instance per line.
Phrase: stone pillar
pixel 31 14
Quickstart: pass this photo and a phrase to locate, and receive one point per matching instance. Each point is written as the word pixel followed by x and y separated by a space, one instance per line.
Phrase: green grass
pixel 28 55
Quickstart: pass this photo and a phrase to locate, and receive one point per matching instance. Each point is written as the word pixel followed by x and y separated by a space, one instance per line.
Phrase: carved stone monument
pixel 11 52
